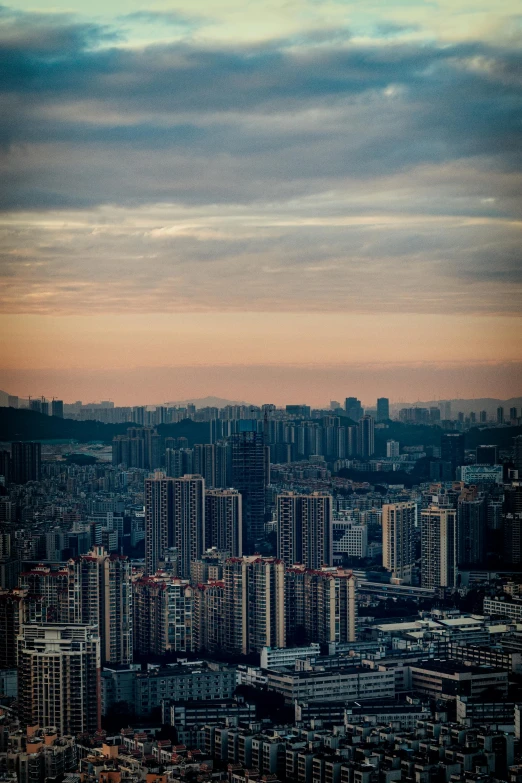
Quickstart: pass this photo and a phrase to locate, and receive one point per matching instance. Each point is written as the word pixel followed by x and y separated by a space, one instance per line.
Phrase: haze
pixel 271 201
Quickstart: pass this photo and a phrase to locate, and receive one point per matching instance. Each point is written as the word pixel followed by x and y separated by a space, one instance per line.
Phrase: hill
pixel 24 424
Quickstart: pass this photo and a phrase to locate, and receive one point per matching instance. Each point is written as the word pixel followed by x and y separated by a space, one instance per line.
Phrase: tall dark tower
pixel 250 476
pixel 452 450
pixel 26 460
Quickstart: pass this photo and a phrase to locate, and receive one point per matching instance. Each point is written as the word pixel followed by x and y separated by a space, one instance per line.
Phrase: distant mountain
pixel 30 425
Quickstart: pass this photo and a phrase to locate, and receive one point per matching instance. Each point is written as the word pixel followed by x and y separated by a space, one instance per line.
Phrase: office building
pixel 366 437
pixel 250 476
pixel 471 527
pixel 179 683
pixel 383 409
pixel 438 547
pixel 486 455
pixel 452 450
pixel 163 614
pixel 26 461
pixel 398 543
pixel 316 685
pixel 59 673
pixel 304 529
pixel 103 598
pixel 353 408
pixel 481 474
pixel 224 521
pixel 254 604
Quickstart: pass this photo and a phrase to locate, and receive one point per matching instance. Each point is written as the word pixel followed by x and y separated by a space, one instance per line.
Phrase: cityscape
pixel 283 594
pixel 260 391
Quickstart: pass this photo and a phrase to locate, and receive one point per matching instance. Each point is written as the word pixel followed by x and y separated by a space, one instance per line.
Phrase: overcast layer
pixel 304 158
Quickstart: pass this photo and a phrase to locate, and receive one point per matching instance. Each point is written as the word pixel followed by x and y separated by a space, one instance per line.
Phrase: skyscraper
pixel 353 408
pixel 250 476
pixel 254 604
pixel 304 529
pixel 438 547
pixel 500 415
pixel 452 450
pixel 321 605
pixel 224 521
pixel 159 506
pixel 188 520
pixel 398 548
pixel 383 409
pixel 471 527
pixel 26 460
pixel 366 437
pixel 57 408
pixel 486 455
pixel 163 611
pixel 59 677
pixel 103 598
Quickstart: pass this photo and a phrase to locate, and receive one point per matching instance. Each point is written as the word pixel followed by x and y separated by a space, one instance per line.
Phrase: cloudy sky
pixel 271 200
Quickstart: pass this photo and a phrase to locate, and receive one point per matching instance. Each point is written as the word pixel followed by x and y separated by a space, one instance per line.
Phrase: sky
pixel 271 201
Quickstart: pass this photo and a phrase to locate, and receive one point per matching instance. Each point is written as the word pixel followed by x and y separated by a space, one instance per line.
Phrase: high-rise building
pixel 224 521
pixel 471 527
pixel 209 611
pixel 103 597
pixel 513 414
pixel 483 417
pixel 139 448
pixel 304 529
pixel 398 547
pixel 5 466
pixel 159 508
pixel 353 408
pixel 438 547
pixel 59 677
pixel 321 606
pixel 26 460
pixel 452 450
pixel 254 604
pixel 486 455
pixel 13 615
pixel 251 476
pixel 500 415
pixel 57 408
pixel 392 449
pixel 163 613
pixel 517 454
pixel 179 462
pixel 366 437
pixel 188 521
pixel 383 409
pixel 205 462
pixel 48 599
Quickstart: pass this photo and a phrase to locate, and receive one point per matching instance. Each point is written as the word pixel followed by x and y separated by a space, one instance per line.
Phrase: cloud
pixel 306 172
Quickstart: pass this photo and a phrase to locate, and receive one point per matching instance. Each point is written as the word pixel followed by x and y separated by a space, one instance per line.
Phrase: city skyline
pixel 308 185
